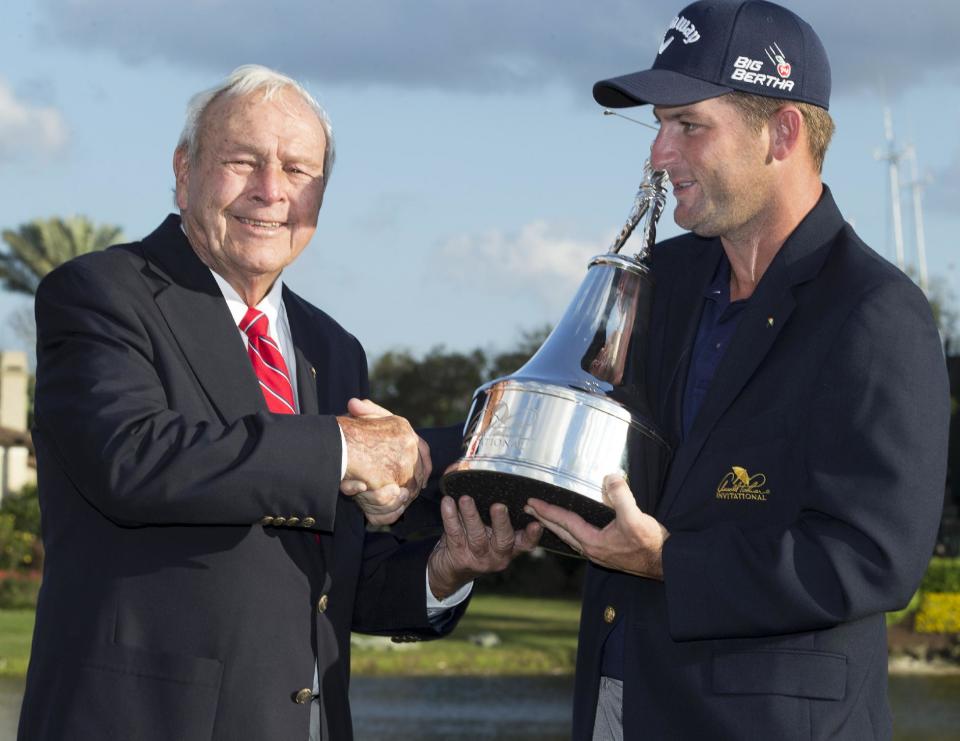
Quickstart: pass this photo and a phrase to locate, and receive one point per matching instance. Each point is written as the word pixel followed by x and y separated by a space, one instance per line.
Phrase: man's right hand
pixel 381 449
pixel 386 465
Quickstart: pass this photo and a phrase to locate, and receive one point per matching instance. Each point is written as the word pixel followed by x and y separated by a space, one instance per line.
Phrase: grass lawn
pixel 16 631
pixel 537 636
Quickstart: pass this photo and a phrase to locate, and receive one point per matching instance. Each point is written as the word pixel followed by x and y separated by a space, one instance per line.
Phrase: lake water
pixel 538 708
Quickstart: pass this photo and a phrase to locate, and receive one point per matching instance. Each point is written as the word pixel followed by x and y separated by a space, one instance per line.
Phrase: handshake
pixel 387 463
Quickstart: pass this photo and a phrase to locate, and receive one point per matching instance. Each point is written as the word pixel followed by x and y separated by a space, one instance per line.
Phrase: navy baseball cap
pixel 714 47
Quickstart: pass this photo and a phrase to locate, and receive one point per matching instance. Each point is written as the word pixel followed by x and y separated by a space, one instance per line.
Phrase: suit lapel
pixel 306 382
pixel 313 356
pixel 200 322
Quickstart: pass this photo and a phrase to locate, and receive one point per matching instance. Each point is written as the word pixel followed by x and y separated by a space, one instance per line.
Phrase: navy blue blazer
pixel 198 553
pixel 802 506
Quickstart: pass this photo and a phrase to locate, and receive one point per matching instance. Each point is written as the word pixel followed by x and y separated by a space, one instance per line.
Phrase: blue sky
pixel 475 174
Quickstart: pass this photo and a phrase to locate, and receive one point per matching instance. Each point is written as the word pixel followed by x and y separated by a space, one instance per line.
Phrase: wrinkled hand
pixel 469 548
pixel 383 506
pixel 369 460
pixel 632 542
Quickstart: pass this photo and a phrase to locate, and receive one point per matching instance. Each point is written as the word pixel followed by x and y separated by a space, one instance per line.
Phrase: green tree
pixel 437 389
pixel 37 247
pixel 505 363
pixel 431 392
pixel 944 306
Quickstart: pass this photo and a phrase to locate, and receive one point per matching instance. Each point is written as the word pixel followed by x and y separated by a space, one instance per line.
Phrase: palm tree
pixel 37 247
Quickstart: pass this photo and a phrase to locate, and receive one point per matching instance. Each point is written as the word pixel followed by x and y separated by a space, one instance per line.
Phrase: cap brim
pixel 655 86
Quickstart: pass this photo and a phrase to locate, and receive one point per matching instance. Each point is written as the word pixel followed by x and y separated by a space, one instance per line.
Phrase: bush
pixel 894 618
pixel 943 575
pixel 17 548
pixel 939 613
pixel 19 589
pixel 20 546
pixel 25 508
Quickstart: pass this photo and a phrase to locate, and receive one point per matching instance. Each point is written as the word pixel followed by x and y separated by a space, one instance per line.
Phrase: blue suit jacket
pixel 176 603
pixel 803 504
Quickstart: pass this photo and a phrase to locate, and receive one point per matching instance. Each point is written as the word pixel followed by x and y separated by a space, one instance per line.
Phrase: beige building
pixel 17 464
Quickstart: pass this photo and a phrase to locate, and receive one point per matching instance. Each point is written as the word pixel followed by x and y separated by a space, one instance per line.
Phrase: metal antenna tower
pixel 892 157
pixel 916 189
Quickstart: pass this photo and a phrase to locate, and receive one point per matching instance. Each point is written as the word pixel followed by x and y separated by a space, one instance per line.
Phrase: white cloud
pixel 26 129
pixel 546 267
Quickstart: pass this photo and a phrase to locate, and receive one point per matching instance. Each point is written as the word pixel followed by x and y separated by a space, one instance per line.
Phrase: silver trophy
pixel 578 409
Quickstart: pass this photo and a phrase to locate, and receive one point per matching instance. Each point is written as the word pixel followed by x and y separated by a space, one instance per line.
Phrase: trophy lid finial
pixel 650 200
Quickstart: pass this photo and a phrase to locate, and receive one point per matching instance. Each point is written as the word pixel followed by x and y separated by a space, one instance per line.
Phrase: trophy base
pixel 488 487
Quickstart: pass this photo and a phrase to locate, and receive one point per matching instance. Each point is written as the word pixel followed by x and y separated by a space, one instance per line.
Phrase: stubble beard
pixel 712 215
pixel 726 208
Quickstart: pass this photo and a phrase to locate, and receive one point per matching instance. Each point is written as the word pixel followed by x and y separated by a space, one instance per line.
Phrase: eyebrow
pixel 296 156
pixel 673 113
pixel 230 146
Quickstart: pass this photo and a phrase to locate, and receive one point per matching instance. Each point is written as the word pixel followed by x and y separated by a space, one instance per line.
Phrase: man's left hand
pixel 632 542
pixel 469 548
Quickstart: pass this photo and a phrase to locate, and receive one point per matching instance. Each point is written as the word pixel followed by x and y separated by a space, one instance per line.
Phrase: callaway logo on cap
pixel 713 47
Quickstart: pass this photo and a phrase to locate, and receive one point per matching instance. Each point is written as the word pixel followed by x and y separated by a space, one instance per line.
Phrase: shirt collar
pixel 270 305
pixel 719 288
pixel 718 292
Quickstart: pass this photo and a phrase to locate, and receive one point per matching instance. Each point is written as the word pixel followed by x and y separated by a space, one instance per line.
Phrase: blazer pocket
pixel 129 693
pixel 815 675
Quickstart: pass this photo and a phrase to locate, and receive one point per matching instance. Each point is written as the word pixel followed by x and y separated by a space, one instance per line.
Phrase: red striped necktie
pixel 268 363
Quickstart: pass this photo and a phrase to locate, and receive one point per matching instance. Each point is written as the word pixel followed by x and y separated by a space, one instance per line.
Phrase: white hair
pixel 249 78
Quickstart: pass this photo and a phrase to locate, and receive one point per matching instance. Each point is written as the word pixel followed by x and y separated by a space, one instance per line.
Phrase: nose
pixel 268 185
pixel 663 153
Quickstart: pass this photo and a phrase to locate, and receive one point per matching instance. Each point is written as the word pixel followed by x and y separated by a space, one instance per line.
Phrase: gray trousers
pixel 609 723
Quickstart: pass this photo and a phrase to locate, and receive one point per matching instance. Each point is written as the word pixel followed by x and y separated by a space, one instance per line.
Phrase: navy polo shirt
pixel 718 323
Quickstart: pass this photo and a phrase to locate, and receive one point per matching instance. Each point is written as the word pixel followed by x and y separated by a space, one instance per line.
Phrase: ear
pixel 786 127
pixel 181 170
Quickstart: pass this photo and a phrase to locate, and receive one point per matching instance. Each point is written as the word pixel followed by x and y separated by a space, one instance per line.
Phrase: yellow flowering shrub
pixel 939 613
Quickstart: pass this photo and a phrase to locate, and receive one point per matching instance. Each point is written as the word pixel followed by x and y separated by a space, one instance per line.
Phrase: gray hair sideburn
pixel 249 78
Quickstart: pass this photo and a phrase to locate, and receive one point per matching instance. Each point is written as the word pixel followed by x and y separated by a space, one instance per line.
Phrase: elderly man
pixel 802 381
pixel 203 570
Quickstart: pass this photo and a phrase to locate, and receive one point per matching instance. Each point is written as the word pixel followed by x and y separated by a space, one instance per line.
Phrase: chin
pixel 689 224
pixel 705 230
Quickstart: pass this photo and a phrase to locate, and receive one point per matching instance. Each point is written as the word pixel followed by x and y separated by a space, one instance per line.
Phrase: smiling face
pixel 718 167
pixel 250 196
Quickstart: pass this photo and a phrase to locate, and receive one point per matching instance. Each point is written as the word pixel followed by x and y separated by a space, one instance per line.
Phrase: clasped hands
pixel 388 465
pixel 387 462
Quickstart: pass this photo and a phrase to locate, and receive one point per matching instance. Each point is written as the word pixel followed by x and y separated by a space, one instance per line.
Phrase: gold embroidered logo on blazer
pixel 740 485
